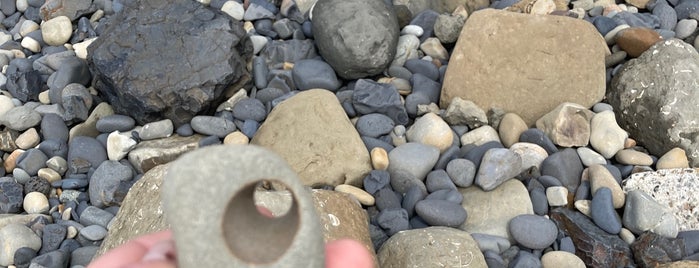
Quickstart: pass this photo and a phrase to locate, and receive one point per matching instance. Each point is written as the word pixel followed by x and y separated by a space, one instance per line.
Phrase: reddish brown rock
pixel 651 250
pixel 593 245
pixel 636 40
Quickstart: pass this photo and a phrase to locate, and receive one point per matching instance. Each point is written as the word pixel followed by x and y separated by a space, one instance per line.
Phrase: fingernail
pixel 161 251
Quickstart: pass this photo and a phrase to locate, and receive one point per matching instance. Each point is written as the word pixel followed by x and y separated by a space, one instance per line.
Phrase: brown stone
pixel 313 134
pixel 568 125
pixel 638 3
pixel 140 213
pixel 679 264
pixel 149 154
pixel 11 161
pixel 636 40
pixel 593 245
pixel 495 65
pixel 650 249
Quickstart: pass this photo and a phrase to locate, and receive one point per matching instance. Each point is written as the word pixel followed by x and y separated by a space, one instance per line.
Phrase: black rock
pixel 53 259
pixel 85 149
pixel 53 128
pixel 23 256
pixel 413 195
pixel 359 43
pixel 651 249
pixel 71 70
pixel 594 246
pixel 149 75
pixel 52 147
pixel 426 85
pixel 372 97
pixel 538 137
pixel 387 199
pixel 311 73
pixel 374 125
pixel 115 122
pixel 441 212
pixel 393 220
pixel 24 83
pixel 37 184
pixel 425 19
pixel 565 166
pixel 539 202
pixel 376 180
pixel 52 237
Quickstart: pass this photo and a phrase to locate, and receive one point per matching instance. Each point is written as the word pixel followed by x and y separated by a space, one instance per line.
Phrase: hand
pixel 157 250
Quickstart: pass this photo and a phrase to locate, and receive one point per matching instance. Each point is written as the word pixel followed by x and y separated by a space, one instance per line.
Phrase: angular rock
pixel 490 212
pixel 642 213
pixel 674 189
pixel 532 155
pixel 105 183
pixel 428 246
pixel 313 134
pixel 359 43
pixel 661 115
pixel 465 112
pixel 149 154
pixel 372 97
pixel 537 76
pixel 191 83
pixel 606 137
pixel 675 158
pixel 568 125
pixel 650 249
pixel 594 246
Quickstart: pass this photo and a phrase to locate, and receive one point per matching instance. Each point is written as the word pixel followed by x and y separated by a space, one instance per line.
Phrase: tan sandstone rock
pixel 313 134
pixel 526 64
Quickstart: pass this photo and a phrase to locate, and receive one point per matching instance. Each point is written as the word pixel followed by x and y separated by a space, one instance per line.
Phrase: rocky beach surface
pixel 443 133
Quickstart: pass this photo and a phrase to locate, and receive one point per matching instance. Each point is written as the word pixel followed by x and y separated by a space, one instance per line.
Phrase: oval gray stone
pixel 532 231
pixel 213 126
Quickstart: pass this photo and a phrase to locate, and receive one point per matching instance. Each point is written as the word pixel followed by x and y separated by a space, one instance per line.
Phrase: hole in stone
pixel 255 237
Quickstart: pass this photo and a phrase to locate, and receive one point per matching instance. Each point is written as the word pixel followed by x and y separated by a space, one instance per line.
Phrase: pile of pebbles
pixel 53 153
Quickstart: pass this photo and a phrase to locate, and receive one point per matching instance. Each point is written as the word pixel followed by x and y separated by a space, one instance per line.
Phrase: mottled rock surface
pixel 431 247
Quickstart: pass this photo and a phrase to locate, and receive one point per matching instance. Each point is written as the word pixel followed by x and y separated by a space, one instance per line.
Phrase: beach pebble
pixel 433 47
pixel 119 145
pixel 491 242
pixel 636 40
pixel 31 161
pixel 405 49
pixel 23 256
pixel 540 202
pixel 379 158
pixel 376 180
pixel 14 237
pixel 28 139
pixel 36 203
pixel 642 213
pixel 48 174
pixel 93 232
pixel 675 158
pixel 386 198
pixel 439 180
pixel 461 171
pixel 532 155
pixel 57 31
pixel 590 157
pixel 105 182
pixel 606 137
pixel 236 137
pixel 374 125
pixel 233 9
pixel 430 129
pixel 410 163
pixel 480 136
pixel 568 125
pixel 441 212
pixel 412 29
pixel 156 130
pixel 393 220
pixel 510 128
pixel 116 122
pixel 249 109
pixel 212 126
pixel 557 196
pixel 555 259
pixel 564 165
pixel 465 112
pixel 632 157
pixel 532 231
pixel 362 196
pixel 525 259
pixel 94 215
pixel 448 27
pixel 82 256
pixel 603 213
pixel 600 177
pixel 685 28
pixel 311 73
pixel 20 118
pixel 497 166
pixel 538 137
pixel 419 66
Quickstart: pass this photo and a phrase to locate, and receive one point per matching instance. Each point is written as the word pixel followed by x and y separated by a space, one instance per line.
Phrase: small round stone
pixel 362 196
pixel 532 231
pixel 233 9
pixel 627 236
pixel 28 139
pixel 685 28
pixel 637 40
pixel 557 196
pixel 461 171
pixel 441 212
pixel 36 203
pixel 374 125
pixel 583 206
pixel 510 128
pixel 212 126
pixel 72 232
pixel 236 137
pixel 430 129
pixel 590 157
pixel 379 158
pixel 49 174
pixel 57 31
pixel 412 29
pixel 14 237
pixel 632 157
pixel 156 130
pixel 249 109
pixel 675 158
pixel 115 122
pixel 93 232
pixel 555 259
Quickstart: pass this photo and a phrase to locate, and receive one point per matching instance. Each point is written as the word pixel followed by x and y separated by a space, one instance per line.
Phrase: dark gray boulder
pixel 656 98
pixel 357 38
pixel 169 59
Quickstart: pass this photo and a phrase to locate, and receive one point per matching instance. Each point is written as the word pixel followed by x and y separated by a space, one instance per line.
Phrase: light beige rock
pixel 606 136
pixel 379 158
pixel 633 157
pixel 430 129
pixel 49 174
pixel 236 137
pixel 28 139
pixel 57 31
pixel 627 236
pixel 510 128
pixel 556 259
pixel 431 247
pixel 362 196
pixel 638 3
pixel 583 206
pixel 119 145
pixel 88 128
pixel 493 67
pixel 675 158
pixel 465 112
pixel 11 161
pixel 36 203
pixel 601 177
pixel 557 196
pixel 148 154
pixel 589 157
pixel 23 237
pixel 480 136
pixel 313 134
pixel 23 219
pixel 568 125
pixel 433 48
pixel 532 155
pixel 490 212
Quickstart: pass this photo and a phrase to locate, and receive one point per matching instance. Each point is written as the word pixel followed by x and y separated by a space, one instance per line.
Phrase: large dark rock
pixel 169 59
pixel 657 92
pixel 593 245
pixel 651 249
pixel 357 38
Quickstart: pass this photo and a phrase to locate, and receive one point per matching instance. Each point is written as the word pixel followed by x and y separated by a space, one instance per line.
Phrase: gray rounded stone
pixel 532 231
pixel 93 232
pixel 156 130
pixel 427 246
pixel 441 212
pixel 212 126
pixel 250 109
pixel 410 163
pixel 311 73
pixel 115 122
pixel 20 118
pixel 497 166
pixel 462 172
pixel 603 213
pixel 374 125
pixel 15 236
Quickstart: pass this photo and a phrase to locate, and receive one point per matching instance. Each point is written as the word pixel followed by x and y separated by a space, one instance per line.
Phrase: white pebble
pixel 27 27
pixel 81 48
pixel 36 203
pixel 412 29
pixel 30 44
pixel 233 9
pixel 72 232
pixel 21 5
pixel 57 31
pixel 685 28
pixel 258 43
pixel 118 146
pixel 557 196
